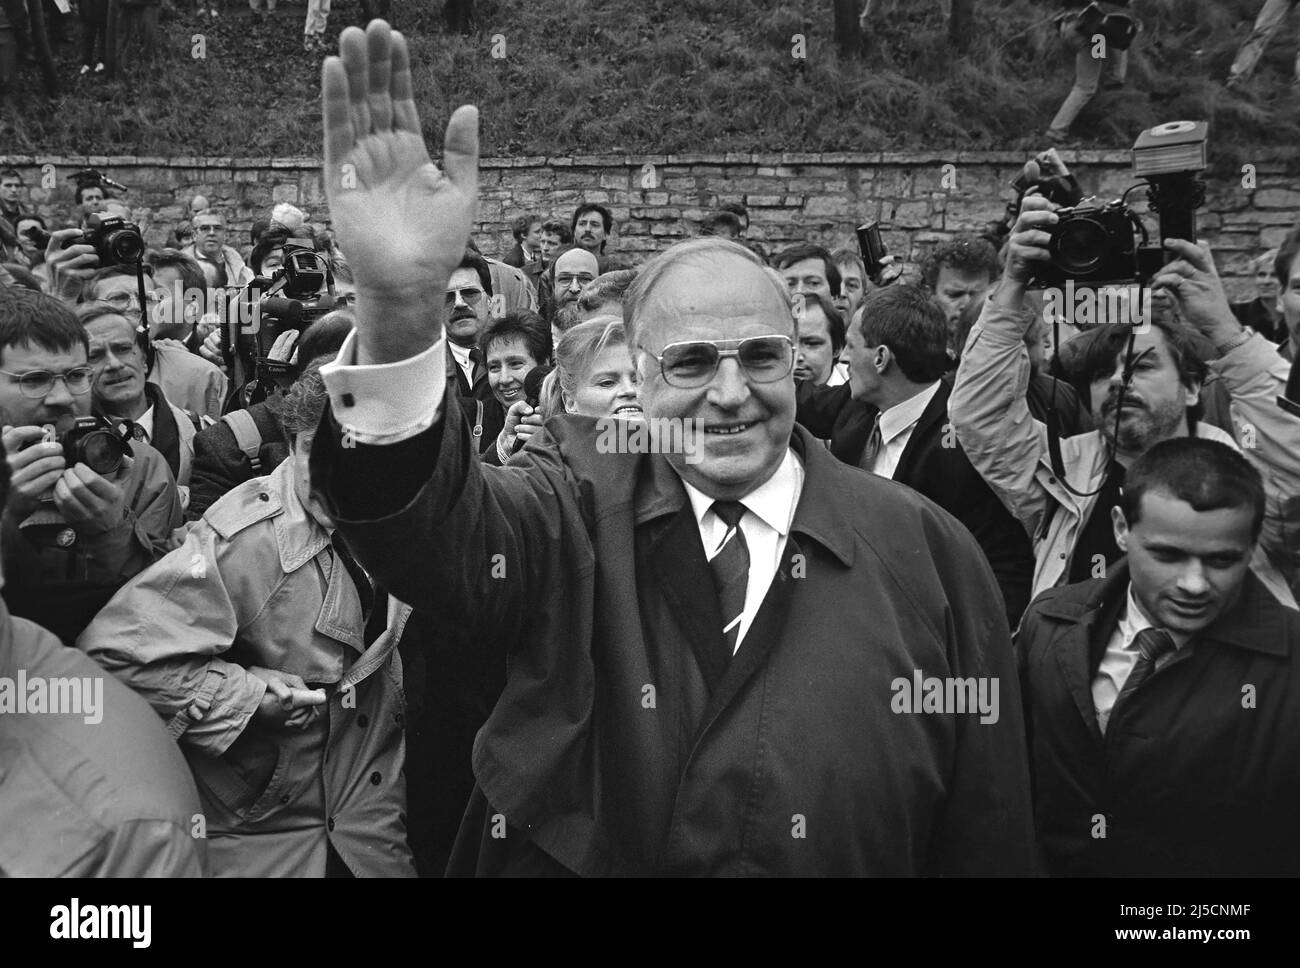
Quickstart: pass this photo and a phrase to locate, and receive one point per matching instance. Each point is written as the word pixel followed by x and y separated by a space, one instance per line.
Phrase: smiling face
pixel 815 357
pixel 608 388
pixel 508 362
pixel 119 367
pixel 747 424
pixel 1155 404
pixel 1187 566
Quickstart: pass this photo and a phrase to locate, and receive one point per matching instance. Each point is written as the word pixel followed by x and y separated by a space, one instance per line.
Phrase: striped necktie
pixel 730 566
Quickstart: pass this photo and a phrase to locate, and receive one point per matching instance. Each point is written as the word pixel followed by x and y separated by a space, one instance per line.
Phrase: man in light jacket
pixel 1067 514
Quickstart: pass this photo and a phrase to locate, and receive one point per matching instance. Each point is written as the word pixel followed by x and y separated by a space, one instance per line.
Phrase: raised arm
pixel 988 407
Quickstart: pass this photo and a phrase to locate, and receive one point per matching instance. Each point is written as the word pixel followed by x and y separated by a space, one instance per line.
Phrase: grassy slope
pixel 699 75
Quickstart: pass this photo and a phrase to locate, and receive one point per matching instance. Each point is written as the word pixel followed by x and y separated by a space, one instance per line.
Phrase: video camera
pixel 270 314
pixel 1098 244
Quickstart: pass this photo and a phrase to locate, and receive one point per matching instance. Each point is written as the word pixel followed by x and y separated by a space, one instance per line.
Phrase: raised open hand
pixel 401 222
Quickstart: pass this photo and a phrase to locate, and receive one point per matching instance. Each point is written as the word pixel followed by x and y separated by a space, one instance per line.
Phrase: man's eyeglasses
pixel 688 365
pixel 469 297
pixel 36 384
pixel 122 349
pixel 564 281
pixel 129 300
pixel 209 229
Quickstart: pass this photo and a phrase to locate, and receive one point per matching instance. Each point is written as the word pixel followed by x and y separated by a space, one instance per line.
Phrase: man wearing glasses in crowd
pixel 210 245
pixel 706 644
pixel 71 536
pixel 468 304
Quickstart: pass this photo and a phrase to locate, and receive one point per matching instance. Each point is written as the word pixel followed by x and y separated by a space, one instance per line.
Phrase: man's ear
pixel 1193 394
pixel 1120 524
pixel 883 358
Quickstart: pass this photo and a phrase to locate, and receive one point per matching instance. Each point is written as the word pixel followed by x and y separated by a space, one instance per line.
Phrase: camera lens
pixel 1079 245
pixel 100 451
pixel 126 246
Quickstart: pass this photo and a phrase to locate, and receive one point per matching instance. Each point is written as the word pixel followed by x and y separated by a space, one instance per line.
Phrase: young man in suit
pixel 892 419
pixel 678 627
pixel 527 230
pixel 1162 700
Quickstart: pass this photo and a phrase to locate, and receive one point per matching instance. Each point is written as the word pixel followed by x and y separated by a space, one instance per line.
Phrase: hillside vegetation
pixel 605 76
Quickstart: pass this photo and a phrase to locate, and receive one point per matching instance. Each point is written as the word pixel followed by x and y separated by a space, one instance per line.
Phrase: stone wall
pixel 919 198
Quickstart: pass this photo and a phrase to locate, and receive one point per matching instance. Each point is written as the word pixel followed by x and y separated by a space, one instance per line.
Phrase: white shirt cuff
pixel 383 403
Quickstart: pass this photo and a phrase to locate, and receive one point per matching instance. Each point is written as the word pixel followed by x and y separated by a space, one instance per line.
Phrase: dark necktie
pixel 1151 644
pixel 475 357
pixel 872 450
pixel 730 566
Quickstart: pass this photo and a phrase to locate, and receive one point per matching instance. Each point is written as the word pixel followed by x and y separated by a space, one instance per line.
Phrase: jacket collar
pixel 819 514
pixel 299 537
pixel 1257 621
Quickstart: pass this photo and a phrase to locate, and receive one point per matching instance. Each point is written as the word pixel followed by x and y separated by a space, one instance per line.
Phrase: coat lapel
pixel 682 570
pixel 931 421
pixel 166 438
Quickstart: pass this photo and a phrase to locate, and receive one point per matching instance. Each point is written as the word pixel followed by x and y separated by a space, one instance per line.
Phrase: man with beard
pixel 1137 400
pixel 469 298
pixel 572 270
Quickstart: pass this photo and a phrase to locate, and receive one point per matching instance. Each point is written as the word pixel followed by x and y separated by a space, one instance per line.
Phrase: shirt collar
pixel 461 353
pixel 773 501
pixel 903 415
pixel 1134 621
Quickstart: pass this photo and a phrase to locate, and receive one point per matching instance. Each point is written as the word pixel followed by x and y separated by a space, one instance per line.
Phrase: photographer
pixel 250 443
pixel 274 661
pixel 1069 518
pixel 72 536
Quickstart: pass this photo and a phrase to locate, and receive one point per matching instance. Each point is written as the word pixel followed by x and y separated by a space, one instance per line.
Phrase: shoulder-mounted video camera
pixel 1106 243
pixel 271 313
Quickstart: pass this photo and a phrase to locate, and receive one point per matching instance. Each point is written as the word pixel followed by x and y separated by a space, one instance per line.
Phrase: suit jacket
pixel 621 744
pixel 933 464
pixel 518 258
pixel 1197 773
pixel 483 411
pixel 219 464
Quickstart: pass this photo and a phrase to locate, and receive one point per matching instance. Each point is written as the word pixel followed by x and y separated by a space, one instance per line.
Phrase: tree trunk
pixel 848 34
pixel 961 24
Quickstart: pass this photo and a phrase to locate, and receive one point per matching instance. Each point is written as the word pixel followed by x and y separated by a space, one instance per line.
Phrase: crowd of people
pixel 933 581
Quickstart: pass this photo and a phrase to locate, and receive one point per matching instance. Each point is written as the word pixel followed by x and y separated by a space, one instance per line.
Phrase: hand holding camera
pixel 1192 280
pixel 70 470
pixel 70 262
pixel 1028 251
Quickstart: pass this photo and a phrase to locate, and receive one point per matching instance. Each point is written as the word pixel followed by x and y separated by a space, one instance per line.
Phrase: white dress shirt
pixel 1122 656
pixel 389 402
pixel 461 356
pixel 769 511
pixel 896 426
